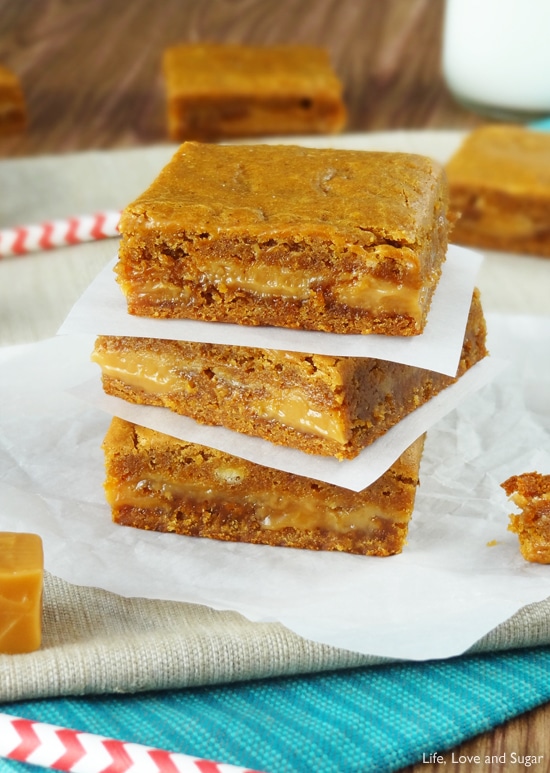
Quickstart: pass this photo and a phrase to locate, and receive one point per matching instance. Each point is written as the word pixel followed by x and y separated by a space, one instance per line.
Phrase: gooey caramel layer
pixel 367 292
pixel 143 372
pixel 151 374
pixel 293 410
pixel 273 510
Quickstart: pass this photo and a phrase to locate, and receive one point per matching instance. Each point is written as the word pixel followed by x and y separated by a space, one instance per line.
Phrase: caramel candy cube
pixel 21 583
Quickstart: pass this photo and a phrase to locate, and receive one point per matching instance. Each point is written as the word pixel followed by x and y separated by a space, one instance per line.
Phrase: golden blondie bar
pixel 156 482
pixel 333 406
pixel 333 240
pixel 530 491
pixel 217 90
pixel 499 186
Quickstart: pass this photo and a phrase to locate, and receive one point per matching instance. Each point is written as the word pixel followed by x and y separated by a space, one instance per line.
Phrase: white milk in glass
pixel 496 55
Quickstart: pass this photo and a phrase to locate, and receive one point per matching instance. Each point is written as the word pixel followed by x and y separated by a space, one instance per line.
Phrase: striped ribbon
pixel 59 748
pixel 25 239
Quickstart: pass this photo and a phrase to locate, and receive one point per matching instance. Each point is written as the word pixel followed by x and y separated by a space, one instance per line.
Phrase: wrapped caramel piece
pixel 21 583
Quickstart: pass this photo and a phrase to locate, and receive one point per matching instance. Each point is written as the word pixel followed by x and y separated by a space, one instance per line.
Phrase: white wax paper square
pixel 355 474
pixel 459 576
pixel 102 310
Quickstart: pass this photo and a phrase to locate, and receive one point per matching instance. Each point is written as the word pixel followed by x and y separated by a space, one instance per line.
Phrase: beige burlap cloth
pixel 94 641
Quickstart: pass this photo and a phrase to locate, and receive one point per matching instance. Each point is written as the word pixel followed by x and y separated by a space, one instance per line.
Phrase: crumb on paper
pixel 530 492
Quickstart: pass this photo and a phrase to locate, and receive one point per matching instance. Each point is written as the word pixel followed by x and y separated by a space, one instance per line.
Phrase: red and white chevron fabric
pixel 58 748
pixel 58 233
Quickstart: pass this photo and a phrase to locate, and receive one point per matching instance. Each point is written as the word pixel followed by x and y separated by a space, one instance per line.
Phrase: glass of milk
pixel 496 56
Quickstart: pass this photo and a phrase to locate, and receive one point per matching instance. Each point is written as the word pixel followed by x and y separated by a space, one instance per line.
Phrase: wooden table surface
pixel 91 76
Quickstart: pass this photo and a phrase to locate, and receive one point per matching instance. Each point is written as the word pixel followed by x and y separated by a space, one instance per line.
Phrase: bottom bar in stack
pixel 157 482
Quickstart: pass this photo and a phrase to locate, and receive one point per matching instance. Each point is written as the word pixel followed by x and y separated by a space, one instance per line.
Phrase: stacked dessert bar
pixel 344 242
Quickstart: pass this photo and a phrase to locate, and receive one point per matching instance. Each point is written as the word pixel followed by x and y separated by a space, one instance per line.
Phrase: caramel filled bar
pixel 317 239
pixel 499 183
pixel 21 582
pixel 322 405
pixel 156 482
pixel 219 91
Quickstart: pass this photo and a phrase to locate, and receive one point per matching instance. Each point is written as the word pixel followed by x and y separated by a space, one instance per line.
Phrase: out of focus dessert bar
pixel 316 239
pixel 13 113
pixel 157 482
pixel 217 91
pixel 499 187
pixel 323 405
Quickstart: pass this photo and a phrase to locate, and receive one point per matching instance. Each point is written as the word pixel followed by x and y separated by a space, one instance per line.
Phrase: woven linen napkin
pixel 363 720
pixel 96 642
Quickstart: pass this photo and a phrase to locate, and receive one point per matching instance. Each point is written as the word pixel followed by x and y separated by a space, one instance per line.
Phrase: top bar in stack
pixel 334 240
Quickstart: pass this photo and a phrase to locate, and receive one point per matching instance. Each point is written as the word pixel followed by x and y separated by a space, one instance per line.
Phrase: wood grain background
pixel 91 68
pixel 91 75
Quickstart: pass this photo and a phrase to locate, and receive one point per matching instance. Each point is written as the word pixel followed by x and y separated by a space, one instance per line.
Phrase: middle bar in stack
pixel 332 406
pixel 341 241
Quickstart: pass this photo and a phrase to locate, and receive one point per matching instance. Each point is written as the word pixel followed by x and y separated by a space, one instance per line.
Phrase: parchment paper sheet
pixel 354 474
pixel 460 575
pixel 101 310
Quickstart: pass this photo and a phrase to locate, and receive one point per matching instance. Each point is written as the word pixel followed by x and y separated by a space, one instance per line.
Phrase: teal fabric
pixel 543 124
pixel 374 719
